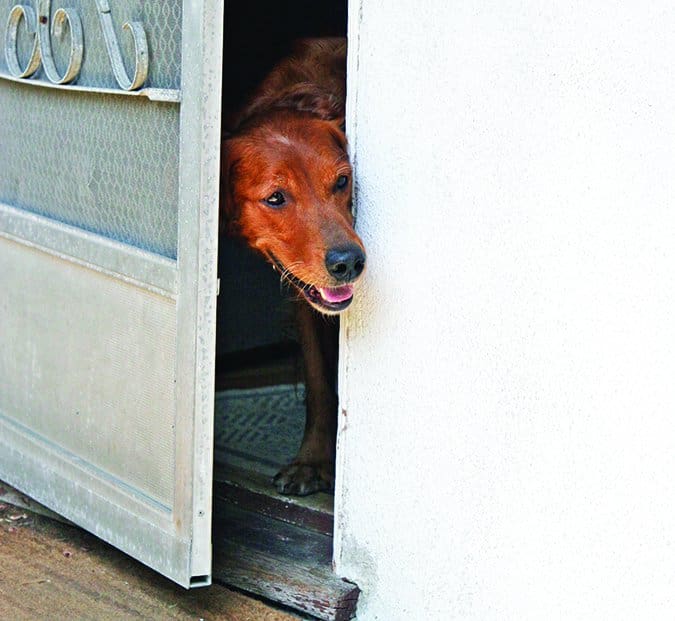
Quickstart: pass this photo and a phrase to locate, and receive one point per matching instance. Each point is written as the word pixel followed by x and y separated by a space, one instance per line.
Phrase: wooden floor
pixel 53 571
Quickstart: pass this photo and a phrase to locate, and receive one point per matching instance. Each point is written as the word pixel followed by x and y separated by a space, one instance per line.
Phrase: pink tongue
pixel 337 294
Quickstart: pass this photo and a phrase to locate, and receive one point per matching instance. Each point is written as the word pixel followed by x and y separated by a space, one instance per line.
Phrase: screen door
pixel 109 167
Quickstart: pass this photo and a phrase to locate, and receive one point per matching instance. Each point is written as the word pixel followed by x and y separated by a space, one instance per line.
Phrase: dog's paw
pixel 302 479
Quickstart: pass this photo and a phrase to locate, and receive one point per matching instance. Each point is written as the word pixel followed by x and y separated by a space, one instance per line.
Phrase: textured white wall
pixel 508 373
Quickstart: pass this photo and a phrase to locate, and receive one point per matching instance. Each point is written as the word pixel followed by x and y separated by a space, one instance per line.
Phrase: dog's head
pixel 287 186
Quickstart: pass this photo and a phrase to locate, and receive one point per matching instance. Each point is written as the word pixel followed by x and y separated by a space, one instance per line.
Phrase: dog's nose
pixel 345 263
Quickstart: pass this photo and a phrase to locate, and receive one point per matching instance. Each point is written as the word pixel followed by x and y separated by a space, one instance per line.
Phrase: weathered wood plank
pixel 281 562
pixel 49 570
pixel 254 492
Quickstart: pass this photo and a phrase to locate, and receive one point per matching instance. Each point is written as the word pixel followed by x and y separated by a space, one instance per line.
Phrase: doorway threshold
pixel 278 548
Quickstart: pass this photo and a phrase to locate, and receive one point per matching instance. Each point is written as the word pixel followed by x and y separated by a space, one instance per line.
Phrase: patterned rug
pixel 259 427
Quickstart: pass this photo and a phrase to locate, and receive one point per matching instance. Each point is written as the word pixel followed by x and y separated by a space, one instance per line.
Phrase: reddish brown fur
pixel 278 153
pixel 289 140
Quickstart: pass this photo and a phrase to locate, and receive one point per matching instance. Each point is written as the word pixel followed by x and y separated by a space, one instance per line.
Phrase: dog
pixel 286 189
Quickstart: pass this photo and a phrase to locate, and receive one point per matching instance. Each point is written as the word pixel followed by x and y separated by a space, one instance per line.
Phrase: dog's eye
pixel 276 199
pixel 341 182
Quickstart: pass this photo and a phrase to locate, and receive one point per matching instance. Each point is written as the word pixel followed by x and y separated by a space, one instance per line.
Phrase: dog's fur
pixel 286 189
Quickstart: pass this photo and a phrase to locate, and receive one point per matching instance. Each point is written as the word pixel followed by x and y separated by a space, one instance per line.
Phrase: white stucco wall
pixel 508 372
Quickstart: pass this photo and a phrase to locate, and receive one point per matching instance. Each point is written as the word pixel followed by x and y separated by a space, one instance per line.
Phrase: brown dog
pixel 286 189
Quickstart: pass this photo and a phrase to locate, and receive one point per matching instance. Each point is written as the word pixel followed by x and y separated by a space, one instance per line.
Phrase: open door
pixel 109 169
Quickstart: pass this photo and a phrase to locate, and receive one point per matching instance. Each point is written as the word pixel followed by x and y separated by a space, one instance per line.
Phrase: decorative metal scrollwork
pixel 42 55
pixel 15 15
pixel 76 41
pixel 115 54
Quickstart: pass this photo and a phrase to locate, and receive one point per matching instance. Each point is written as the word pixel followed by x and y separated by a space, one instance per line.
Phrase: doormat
pixel 259 427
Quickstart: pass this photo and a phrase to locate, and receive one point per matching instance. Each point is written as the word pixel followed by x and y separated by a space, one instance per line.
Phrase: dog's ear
pixel 228 211
pixel 307 97
pixel 304 97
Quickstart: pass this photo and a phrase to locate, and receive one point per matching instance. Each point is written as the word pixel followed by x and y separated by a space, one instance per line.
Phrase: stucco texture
pixel 507 438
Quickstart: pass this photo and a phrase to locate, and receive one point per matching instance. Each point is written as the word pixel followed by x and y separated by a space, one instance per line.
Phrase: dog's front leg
pixel 313 469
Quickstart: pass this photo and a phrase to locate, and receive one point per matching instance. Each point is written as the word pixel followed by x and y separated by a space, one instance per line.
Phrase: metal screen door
pixel 109 168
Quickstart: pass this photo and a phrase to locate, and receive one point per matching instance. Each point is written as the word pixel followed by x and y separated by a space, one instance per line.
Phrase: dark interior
pixel 277 547
pixel 260 32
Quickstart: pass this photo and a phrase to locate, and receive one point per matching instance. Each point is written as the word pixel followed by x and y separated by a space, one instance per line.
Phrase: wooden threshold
pixel 253 491
pixel 279 561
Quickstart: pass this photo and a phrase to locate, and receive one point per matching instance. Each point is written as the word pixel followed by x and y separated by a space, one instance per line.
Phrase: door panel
pixel 74 339
pixel 108 245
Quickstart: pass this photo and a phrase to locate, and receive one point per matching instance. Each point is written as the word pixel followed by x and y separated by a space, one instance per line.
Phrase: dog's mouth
pixel 326 299
pixel 333 299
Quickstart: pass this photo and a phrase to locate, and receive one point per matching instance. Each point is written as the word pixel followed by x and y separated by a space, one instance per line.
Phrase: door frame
pixel 200 137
